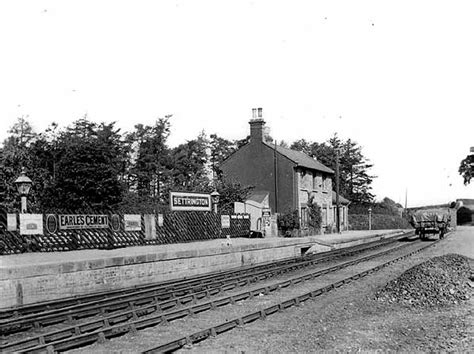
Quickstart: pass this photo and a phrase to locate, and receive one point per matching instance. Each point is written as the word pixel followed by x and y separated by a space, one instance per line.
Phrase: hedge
pixel 379 222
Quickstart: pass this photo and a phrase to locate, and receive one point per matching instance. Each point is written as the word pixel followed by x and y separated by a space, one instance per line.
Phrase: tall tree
pixel 302 145
pixel 149 155
pixel 220 149
pixel 355 180
pixel 189 161
pixel 14 155
pixel 466 169
pixel 86 168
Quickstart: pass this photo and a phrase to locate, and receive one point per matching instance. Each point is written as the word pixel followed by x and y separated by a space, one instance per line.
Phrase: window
pixel 327 185
pixel 324 214
pixel 306 180
pixel 304 217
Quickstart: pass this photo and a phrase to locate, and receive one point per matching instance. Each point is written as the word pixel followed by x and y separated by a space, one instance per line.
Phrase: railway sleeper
pixel 295 301
pixel 250 294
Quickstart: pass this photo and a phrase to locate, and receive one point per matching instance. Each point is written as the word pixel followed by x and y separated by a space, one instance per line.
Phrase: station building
pixel 289 177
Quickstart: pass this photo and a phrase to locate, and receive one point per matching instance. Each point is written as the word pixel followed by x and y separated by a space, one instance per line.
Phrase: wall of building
pixel 254 165
pixel 319 186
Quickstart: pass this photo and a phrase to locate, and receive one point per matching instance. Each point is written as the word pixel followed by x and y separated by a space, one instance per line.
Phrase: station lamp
pixel 23 186
pixel 215 199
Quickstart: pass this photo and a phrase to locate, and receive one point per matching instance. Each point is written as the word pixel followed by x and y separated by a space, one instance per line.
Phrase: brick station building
pixel 290 177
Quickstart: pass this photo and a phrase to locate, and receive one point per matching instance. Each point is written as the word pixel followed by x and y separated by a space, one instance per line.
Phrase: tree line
pixel 95 166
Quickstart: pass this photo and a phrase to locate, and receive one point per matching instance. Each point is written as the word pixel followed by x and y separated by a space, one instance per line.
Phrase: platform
pixel 36 277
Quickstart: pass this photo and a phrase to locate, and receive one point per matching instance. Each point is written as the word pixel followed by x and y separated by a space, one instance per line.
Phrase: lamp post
pixel 370 218
pixel 215 199
pixel 23 186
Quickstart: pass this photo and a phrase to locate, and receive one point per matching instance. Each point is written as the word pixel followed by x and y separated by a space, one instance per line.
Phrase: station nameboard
pixel 83 222
pixel 190 201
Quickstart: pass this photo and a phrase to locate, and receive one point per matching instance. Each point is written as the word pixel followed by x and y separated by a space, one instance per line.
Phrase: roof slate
pixel 342 200
pixel 258 196
pixel 300 158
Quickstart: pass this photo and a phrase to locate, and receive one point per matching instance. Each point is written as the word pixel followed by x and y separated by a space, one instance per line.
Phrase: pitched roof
pixel 466 201
pixel 342 200
pixel 258 196
pixel 300 158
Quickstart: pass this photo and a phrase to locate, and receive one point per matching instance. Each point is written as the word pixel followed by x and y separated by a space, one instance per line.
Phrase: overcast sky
pixel 396 76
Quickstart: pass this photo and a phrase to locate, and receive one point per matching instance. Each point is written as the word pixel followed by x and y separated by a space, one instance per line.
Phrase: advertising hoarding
pixel 31 224
pixel 68 222
pixel 11 222
pixel 132 222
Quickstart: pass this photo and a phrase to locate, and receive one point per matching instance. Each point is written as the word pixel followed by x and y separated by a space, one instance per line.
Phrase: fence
pixel 169 227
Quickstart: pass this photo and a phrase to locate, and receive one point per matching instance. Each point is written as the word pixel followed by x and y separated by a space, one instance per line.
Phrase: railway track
pixel 189 339
pixel 166 295
pixel 139 316
pixel 196 281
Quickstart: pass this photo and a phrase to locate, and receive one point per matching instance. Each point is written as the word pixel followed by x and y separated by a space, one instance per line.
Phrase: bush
pixel 289 221
pixel 379 222
pixel 314 214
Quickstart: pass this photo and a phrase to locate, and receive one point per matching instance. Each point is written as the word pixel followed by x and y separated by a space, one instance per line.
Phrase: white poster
pixel 133 222
pixel 225 221
pixel 160 220
pixel 11 222
pixel 31 224
pixel 150 226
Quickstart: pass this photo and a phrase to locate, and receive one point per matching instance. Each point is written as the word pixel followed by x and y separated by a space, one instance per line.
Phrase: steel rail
pixel 98 330
pixel 142 298
pixel 23 310
pixel 213 331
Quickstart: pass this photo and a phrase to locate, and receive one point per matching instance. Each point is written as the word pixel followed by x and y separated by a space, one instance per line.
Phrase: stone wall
pixel 29 284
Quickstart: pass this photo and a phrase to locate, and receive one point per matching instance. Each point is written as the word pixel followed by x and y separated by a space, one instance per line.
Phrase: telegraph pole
pixel 275 177
pixel 338 223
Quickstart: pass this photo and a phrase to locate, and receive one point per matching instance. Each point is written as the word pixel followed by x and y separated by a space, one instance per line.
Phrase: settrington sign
pixel 83 222
pixel 190 201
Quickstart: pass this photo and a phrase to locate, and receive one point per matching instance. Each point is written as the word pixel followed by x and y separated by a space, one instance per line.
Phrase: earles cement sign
pixel 190 201
pixel 67 222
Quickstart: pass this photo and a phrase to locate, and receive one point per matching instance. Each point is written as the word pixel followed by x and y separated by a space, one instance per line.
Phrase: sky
pixel 395 76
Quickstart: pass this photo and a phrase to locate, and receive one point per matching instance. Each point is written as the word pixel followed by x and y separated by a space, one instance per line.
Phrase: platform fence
pixel 169 227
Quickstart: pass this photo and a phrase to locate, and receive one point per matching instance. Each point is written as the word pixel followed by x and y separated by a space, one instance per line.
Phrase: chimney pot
pixel 256 125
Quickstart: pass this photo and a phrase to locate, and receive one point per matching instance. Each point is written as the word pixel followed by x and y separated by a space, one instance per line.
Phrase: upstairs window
pixel 327 184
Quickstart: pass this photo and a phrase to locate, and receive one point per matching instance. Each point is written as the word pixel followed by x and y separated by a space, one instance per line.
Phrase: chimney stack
pixel 256 125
